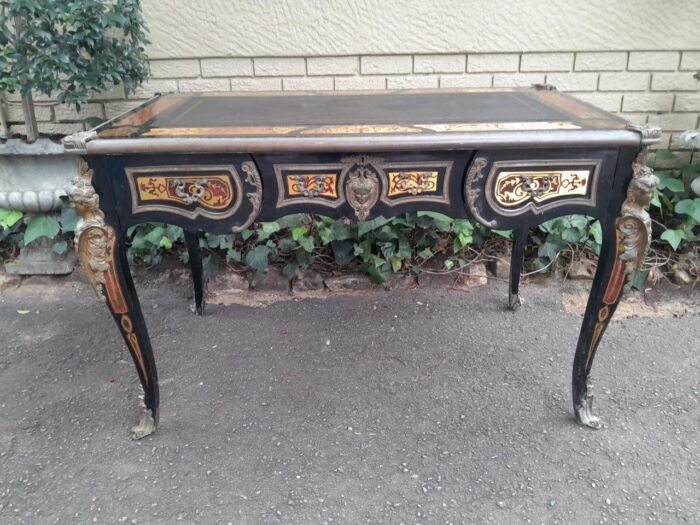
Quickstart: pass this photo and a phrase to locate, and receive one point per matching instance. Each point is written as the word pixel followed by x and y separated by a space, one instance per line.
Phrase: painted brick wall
pixel 659 87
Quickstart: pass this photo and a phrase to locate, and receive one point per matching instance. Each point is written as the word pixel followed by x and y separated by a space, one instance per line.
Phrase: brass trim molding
pixel 252 177
pixel 472 191
pixel 320 168
pixel 541 165
pixel 386 167
pixel 179 173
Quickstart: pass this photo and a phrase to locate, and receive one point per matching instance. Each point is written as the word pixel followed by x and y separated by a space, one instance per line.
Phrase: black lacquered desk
pixel 218 162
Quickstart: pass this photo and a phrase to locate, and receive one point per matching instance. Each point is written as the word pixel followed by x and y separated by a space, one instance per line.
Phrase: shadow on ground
pixel 421 406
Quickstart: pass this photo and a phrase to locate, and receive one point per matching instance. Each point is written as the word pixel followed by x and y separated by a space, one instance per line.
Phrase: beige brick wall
pixel 659 87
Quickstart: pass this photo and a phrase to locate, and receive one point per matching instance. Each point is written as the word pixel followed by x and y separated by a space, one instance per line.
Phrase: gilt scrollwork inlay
pixel 194 194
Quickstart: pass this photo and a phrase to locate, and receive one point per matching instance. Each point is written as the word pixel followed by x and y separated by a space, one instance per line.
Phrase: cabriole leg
pixel 516 266
pixel 195 258
pixel 103 258
pixel 625 242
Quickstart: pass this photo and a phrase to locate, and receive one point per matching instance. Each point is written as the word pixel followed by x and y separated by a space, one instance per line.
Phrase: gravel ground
pixel 426 406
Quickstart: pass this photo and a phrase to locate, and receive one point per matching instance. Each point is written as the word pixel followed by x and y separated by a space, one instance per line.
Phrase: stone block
pixel 278 67
pixel 547 62
pixel 386 65
pixel 227 283
pixel 624 81
pixel 273 280
pixel 307 281
pixel 472 276
pixel 256 84
pixel 204 84
pixel 475 80
pixel 439 63
pixel 185 68
pixel 674 121
pixel 412 82
pixel 606 101
pixel 647 102
pixel 687 102
pixel 653 60
pixel 400 281
pixel 347 283
pixel 493 62
pixel 605 61
pixel 690 60
pixel 307 83
pixel 573 81
pixel 68 111
pixel 351 83
pixel 675 82
pixel 227 67
pixel 517 79
pixel 332 65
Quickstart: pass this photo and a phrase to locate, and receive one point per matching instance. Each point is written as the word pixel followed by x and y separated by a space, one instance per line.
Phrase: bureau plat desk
pixel 217 162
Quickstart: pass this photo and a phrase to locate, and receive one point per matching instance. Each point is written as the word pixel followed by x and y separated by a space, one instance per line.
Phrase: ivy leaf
pixel 342 231
pixel 60 247
pixel 689 207
pixel 395 263
pixel 307 243
pixel 343 251
pixel 233 255
pixel 426 253
pixel 673 237
pixel 267 229
pixel 154 236
pixel 366 227
pixel 465 238
pixel 68 219
pixel 165 242
pixel 404 251
pixel 286 245
pixel 41 226
pixel 548 250
pixel 507 234
pixel 290 270
pixel 668 181
pixel 257 258
pixel 9 218
pixel 298 232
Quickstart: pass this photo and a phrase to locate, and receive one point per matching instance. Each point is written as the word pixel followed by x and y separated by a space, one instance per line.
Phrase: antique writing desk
pixel 511 159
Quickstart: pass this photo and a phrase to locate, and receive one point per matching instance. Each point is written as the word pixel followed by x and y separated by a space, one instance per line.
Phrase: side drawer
pixel 220 190
pixel 506 188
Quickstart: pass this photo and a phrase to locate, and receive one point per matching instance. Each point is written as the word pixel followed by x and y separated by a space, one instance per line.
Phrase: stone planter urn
pixel 33 178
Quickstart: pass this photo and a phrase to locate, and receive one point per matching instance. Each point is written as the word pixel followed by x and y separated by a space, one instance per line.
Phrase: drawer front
pixel 221 190
pixel 504 188
pixel 363 186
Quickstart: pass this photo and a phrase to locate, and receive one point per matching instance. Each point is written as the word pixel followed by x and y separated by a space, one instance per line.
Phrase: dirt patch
pixel 661 302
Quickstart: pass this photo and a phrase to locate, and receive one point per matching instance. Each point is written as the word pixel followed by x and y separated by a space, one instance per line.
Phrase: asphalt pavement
pixel 424 406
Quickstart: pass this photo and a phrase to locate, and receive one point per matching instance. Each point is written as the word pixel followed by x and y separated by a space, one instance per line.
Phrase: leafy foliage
pixel 73 47
pixel 410 242
pixel 18 229
pixel 675 207
pixel 377 247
